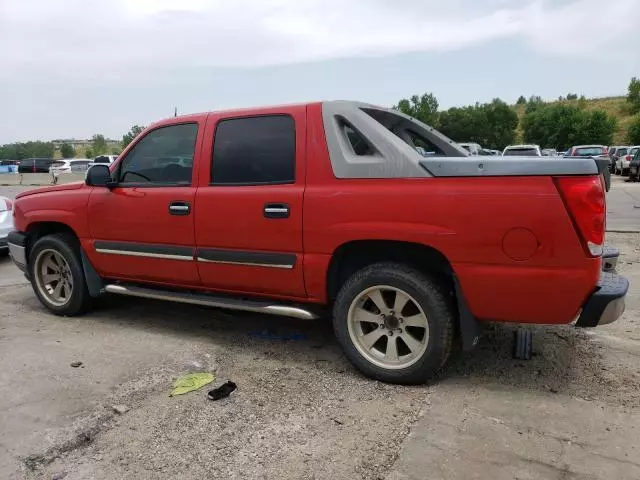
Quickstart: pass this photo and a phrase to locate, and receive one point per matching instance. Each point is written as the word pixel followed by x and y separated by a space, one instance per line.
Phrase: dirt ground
pixel 301 411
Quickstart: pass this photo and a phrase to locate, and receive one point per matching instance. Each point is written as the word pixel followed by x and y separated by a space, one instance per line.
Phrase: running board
pixel 212 301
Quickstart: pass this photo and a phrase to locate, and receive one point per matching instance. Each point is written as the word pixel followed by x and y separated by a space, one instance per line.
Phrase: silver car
pixel 6 223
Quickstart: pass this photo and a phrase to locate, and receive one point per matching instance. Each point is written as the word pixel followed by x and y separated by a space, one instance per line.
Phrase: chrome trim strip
pixel 143 254
pixel 246 264
pixel 211 301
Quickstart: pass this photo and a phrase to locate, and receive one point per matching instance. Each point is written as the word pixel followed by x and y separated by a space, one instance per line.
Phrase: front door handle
pixel 179 208
pixel 276 210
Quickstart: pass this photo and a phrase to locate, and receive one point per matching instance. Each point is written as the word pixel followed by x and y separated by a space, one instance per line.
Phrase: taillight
pixel 628 158
pixel 585 202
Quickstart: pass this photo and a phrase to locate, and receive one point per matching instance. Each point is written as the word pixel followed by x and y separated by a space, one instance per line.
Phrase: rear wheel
pixel 394 323
pixel 57 275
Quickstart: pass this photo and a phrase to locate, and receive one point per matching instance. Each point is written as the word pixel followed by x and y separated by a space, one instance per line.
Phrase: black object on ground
pixel 76 364
pixel 223 391
pixel 522 339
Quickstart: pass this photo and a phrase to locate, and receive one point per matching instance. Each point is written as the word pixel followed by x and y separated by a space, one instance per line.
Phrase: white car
pixel 622 164
pixel 67 166
pixel 6 223
pixel 522 151
pixel 107 159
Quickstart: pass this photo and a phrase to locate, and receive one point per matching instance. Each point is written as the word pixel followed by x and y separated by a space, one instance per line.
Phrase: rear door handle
pixel 276 210
pixel 179 208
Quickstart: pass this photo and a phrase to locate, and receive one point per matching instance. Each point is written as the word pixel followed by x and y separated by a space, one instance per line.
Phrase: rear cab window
pixel 588 151
pixel 520 152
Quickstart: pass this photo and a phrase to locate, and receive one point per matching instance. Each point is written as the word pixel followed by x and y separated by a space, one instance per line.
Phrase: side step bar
pixel 212 301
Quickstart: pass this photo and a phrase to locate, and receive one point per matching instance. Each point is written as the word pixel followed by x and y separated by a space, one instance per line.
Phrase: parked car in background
pixel 634 166
pixel 549 152
pixel 613 152
pixel 108 159
pixel 6 223
pixel 623 160
pixel 472 148
pixel 34 165
pixel 560 154
pixel 150 227
pixel 68 166
pixel 522 150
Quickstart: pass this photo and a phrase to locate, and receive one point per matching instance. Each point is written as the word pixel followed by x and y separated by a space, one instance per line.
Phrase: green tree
pixel 67 151
pixel 89 153
pixel 564 125
pixel 98 144
pixel 535 101
pixel 522 100
pixel 492 125
pixel 572 96
pixel 133 133
pixel 633 97
pixel 633 134
pixel 423 108
pixel 597 127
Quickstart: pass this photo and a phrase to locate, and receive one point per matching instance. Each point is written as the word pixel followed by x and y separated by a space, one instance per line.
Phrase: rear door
pixel 248 211
pixel 143 228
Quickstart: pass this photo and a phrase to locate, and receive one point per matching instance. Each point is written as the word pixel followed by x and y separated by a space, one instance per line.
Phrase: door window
pixel 162 157
pixel 254 151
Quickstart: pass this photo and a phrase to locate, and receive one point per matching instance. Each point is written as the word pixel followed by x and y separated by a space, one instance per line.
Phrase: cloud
pixel 85 37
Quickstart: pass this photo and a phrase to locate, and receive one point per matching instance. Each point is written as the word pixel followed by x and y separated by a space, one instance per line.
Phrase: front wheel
pixel 57 276
pixel 394 323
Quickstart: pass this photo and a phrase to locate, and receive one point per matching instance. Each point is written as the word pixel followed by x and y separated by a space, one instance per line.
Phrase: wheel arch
pixel 355 255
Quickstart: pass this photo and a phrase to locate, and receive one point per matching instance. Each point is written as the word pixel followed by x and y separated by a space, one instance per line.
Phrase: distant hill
pixel 615 106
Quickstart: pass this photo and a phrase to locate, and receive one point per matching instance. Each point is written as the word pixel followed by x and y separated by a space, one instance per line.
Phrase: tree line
pixel 38 149
pixel 495 125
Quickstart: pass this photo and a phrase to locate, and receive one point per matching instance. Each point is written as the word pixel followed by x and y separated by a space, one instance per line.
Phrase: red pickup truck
pixel 295 210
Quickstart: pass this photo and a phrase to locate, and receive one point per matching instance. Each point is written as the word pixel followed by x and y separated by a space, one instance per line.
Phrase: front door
pixel 143 228
pixel 248 220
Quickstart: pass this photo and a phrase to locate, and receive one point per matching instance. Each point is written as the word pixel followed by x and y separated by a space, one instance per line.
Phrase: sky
pixel 73 68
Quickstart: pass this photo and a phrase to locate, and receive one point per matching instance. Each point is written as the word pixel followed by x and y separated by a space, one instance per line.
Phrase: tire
pixel 415 358
pixel 61 251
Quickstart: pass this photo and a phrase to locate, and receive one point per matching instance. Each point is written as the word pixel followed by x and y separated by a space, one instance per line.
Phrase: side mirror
pixel 98 176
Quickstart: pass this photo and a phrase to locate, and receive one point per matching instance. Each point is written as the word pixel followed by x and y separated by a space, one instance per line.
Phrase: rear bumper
pixel 17 249
pixel 607 303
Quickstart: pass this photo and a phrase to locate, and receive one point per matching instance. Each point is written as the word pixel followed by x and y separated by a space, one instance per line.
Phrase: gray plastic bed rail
pixel 507 166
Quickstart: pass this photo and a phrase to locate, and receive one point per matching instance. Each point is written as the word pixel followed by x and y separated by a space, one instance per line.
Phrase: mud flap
pixel 469 326
pixel 95 285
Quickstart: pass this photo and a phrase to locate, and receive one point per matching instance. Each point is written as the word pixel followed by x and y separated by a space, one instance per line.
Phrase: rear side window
pixel 164 156
pixel 588 152
pixel 634 151
pixel 254 151
pixel 519 152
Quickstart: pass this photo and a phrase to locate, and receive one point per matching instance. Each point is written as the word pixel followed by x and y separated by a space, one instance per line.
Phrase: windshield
pixel 633 151
pixel 588 151
pixel 621 151
pixel 519 152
